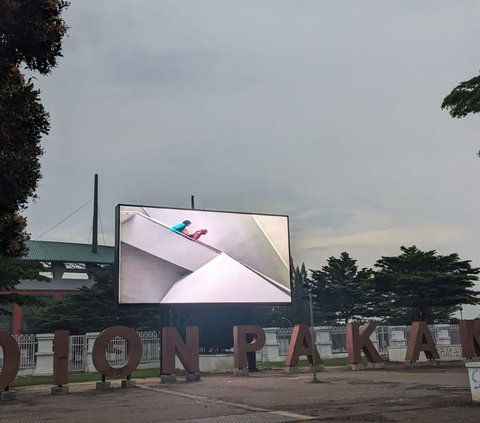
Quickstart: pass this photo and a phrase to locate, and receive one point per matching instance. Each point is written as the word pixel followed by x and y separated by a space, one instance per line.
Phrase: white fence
pixel 331 341
pixel 28 350
pixel 117 349
pixel 37 350
pixel 77 353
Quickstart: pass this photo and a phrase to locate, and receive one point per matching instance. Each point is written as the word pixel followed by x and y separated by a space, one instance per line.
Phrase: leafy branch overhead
pixel 464 98
pixel 31 33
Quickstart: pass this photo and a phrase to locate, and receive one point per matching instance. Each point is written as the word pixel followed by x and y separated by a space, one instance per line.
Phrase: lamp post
pixel 312 335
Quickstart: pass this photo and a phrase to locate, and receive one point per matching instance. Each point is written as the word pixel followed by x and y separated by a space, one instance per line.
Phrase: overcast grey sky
pixel 328 111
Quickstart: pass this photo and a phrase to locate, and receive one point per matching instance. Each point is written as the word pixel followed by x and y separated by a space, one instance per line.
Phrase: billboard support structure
pixel 162 309
pixel 160 330
pixel 221 258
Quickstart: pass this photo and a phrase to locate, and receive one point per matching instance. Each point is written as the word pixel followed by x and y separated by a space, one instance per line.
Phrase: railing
pixel 117 349
pixel 454 333
pixel 283 338
pixel 28 347
pixel 77 353
pixel 338 336
pixel 383 337
pixel 150 346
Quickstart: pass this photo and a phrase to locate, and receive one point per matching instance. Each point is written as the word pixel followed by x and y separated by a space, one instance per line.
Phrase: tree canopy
pixel 464 98
pixel 424 285
pixel 340 290
pixel 288 315
pixel 93 309
pixel 31 32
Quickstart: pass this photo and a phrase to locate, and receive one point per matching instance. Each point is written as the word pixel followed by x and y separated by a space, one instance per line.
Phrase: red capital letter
pixel 420 339
pixel 134 351
pixel 301 344
pixel 358 340
pixel 11 359
pixel 470 337
pixel 187 352
pixel 241 346
pixel 60 357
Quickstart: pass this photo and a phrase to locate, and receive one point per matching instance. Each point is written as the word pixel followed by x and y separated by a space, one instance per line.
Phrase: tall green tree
pixel 341 291
pixel 424 285
pixel 300 302
pixel 31 32
pixel 288 315
pixel 93 309
pixel 464 98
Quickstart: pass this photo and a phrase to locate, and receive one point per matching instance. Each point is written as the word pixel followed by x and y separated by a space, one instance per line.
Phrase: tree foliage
pixel 93 309
pixel 288 315
pixel 31 32
pixel 464 98
pixel 214 321
pixel 300 302
pixel 340 290
pixel 423 285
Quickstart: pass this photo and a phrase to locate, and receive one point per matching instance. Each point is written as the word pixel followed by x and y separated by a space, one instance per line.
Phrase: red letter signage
pixel 187 352
pixel 241 346
pixel 134 351
pixel 470 337
pixel 301 344
pixel 358 340
pixel 420 339
pixel 60 357
pixel 11 359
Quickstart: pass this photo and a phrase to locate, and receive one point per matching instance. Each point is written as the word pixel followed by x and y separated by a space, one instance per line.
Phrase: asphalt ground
pixel 394 394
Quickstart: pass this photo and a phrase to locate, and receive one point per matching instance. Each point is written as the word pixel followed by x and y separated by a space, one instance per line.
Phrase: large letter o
pixel 11 359
pixel 134 351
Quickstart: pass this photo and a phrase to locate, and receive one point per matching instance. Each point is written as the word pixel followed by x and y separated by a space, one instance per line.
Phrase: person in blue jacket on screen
pixel 182 227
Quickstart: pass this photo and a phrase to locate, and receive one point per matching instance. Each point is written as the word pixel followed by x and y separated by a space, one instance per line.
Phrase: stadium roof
pixel 68 252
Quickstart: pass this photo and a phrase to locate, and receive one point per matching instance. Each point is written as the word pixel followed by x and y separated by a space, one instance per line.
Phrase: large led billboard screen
pixel 185 256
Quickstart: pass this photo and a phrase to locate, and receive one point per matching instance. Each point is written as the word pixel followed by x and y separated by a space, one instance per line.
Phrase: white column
pixel 323 341
pixel 374 339
pixel 44 354
pixel 397 336
pixel 443 335
pixel 474 378
pixel 271 347
pixel 90 368
pixel 398 344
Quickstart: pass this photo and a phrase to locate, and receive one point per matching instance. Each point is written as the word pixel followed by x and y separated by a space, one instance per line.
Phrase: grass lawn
pixel 146 373
pixel 77 377
pixel 330 362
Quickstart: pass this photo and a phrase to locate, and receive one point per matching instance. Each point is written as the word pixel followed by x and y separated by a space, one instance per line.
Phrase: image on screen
pixel 184 256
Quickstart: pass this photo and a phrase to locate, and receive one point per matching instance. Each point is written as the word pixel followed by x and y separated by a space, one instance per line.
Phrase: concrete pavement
pixel 394 394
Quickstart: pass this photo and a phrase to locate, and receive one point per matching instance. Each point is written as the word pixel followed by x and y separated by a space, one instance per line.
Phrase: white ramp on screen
pixel 159 265
pixel 224 280
pixel 159 240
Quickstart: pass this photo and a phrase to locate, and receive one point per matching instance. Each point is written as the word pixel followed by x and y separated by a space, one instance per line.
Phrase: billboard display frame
pixel 117 264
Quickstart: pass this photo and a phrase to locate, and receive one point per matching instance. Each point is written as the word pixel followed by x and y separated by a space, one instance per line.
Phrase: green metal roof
pixel 68 252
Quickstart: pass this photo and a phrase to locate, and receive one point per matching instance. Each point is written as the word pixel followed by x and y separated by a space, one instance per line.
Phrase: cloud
pixel 326 111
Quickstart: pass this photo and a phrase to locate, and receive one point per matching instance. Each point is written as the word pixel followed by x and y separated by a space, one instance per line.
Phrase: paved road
pixel 395 394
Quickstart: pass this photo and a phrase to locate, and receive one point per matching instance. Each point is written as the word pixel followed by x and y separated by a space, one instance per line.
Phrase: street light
pixel 289 322
pixel 314 364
